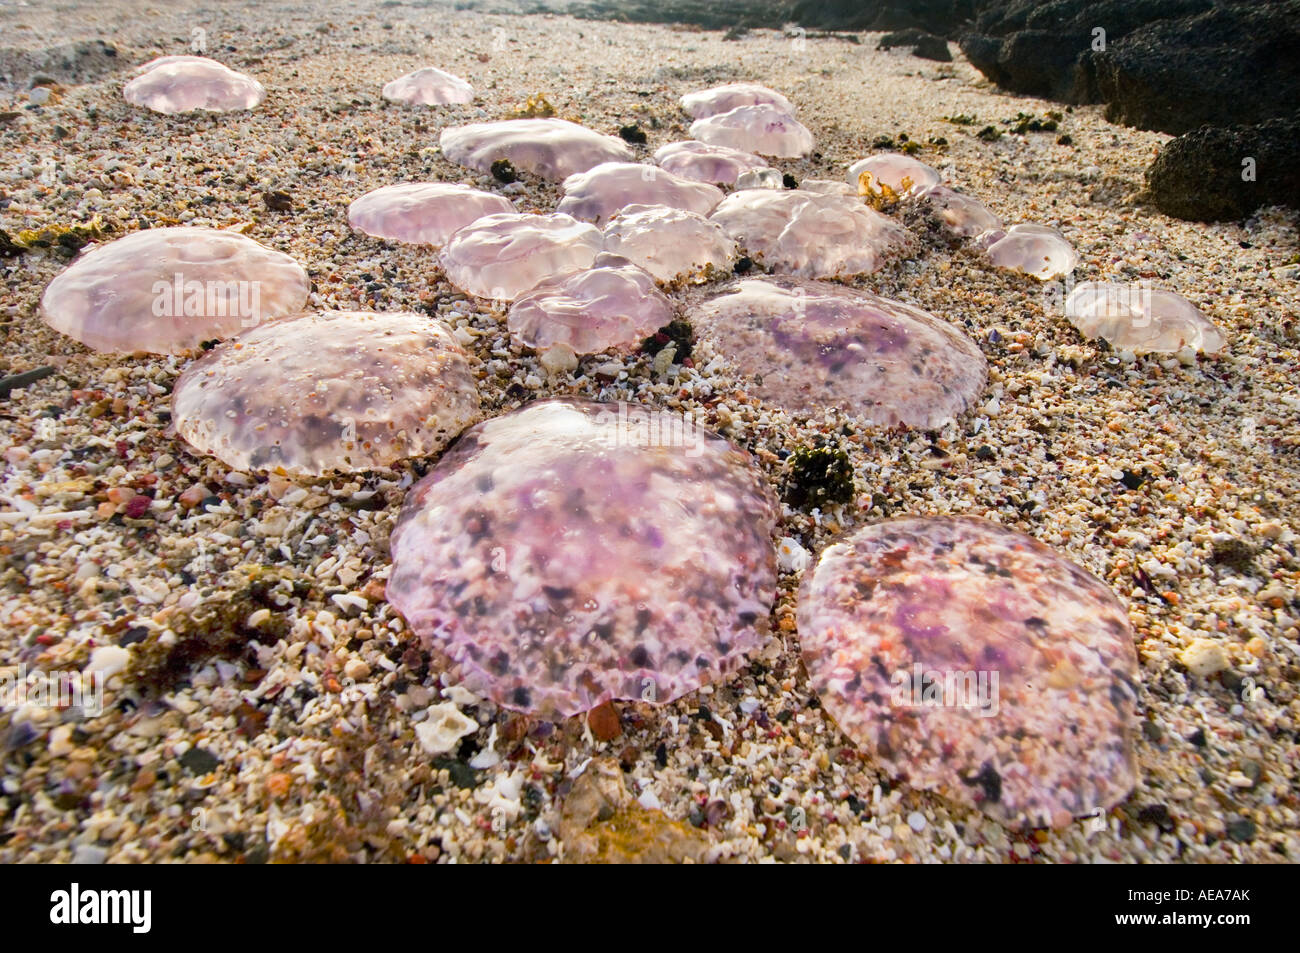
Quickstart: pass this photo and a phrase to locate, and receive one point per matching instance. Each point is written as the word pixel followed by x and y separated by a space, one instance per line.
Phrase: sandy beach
pixel 264 703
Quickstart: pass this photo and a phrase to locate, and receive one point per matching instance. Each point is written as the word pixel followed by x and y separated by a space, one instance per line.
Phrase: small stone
pixel 443 726
pixel 604 722
pixel 199 761
pixel 357 670
pixel 916 821
pixel 1204 657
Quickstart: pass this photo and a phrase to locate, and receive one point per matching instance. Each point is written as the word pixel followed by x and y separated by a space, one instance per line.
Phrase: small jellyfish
pixel 1036 250
pixel 978 663
pixel 901 174
pixel 501 256
pixel 765 130
pixel 570 553
pixel 809 345
pixel 1134 317
pixel 595 195
pixel 702 162
pixel 422 213
pixel 761 179
pixel 328 391
pixel 429 86
pixel 802 233
pixel 168 290
pixel 827 187
pixel 181 84
pixel 611 304
pixel 670 243
pixel 721 99
pixel 960 214
pixel 553 149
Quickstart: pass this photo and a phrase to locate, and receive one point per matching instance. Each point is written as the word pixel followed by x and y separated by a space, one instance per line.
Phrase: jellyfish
pixel 808 345
pixel 1134 317
pixel 500 256
pixel 975 662
pixel 168 290
pixel 765 130
pixel 422 213
pixel 669 243
pixel 570 553
pixel 721 99
pixel 901 174
pixel 702 162
pixel 595 195
pixel 319 392
pixel 553 149
pixel 1035 250
pixel 960 214
pixel 181 84
pixel 429 86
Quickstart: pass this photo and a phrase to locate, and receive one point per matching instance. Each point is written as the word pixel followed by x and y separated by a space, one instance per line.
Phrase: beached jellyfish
pixel 1134 317
pixel 573 552
pixel 721 99
pixel 553 149
pixel 827 187
pixel 900 173
pixel 816 236
pixel 809 345
pixel 976 662
pixel 702 162
pixel 611 304
pixel 761 179
pixel 595 195
pixel 181 84
pixel 325 391
pixel 500 256
pixel 960 214
pixel 1034 249
pixel 670 243
pixel 422 213
pixel 429 86
pixel 765 130
pixel 168 290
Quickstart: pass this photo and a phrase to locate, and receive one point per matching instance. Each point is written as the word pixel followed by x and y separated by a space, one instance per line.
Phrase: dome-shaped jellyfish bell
pixel 552 149
pixel 329 391
pixel 570 553
pixel 1035 250
pixel 429 86
pixel 1133 317
pixel 976 662
pixel 181 84
pixel 168 290
pixel 422 213
pixel 501 256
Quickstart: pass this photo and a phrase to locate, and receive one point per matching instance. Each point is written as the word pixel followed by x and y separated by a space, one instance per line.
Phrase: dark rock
pixel 923 44
pixel 943 17
pixel 1202 175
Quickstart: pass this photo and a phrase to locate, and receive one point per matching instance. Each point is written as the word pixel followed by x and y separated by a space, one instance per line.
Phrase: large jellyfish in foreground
pixel 670 243
pixel 422 213
pixel 326 391
pixel 429 86
pixel 976 662
pixel 553 149
pixel 612 304
pixel 181 84
pixel 765 130
pixel 595 195
pixel 501 256
pixel 168 290
pixel 1143 320
pixel 721 99
pixel 809 234
pixel 572 552
pixel 701 162
pixel 812 344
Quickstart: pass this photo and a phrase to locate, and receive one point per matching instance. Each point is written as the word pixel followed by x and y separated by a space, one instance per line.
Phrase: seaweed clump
pixel 676 333
pixel 536 107
pixel 819 475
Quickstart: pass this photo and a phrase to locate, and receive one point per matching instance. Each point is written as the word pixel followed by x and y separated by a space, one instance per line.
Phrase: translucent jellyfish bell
pixel 901 173
pixel 721 99
pixel 326 391
pixel 422 213
pixel 429 86
pixel 766 130
pixel 702 162
pixel 611 304
pixel 670 243
pixel 168 290
pixel 978 663
pixel 808 345
pixel 1133 317
pixel 572 552
pixel 553 149
pixel 595 195
pixel 815 236
pixel 1036 250
pixel 180 84
pixel 962 215
pixel 500 256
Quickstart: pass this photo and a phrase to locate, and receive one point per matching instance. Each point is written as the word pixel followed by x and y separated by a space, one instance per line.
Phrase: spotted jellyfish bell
pixel 552 149
pixel 1134 317
pixel 1035 250
pixel 181 84
pixel 422 213
pixel 429 86
pixel 501 256
pixel 597 194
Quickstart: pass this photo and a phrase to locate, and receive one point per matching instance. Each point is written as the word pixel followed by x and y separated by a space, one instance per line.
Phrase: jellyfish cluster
pixel 573 552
